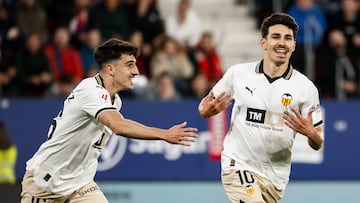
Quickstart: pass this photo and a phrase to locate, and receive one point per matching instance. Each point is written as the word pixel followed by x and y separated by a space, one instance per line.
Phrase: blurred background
pixel 186 45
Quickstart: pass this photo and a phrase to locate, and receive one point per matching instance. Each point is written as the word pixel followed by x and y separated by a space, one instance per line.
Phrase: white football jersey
pixel 257 139
pixel 68 159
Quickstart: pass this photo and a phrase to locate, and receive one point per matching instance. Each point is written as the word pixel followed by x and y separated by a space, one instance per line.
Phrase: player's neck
pixel 107 84
pixel 273 70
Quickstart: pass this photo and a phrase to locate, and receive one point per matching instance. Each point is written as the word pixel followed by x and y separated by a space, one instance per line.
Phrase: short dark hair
pixel 278 18
pixel 112 49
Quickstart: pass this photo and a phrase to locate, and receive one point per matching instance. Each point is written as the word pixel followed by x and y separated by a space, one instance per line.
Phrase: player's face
pixel 125 71
pixel 279 44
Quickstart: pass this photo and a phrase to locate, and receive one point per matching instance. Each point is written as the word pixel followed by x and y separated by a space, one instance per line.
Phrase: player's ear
pixel 110 69
pixel 294 46
pixel 263 43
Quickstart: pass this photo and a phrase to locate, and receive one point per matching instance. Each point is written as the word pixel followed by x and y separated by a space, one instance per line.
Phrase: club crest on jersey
pixel 249 189
pixel 286 99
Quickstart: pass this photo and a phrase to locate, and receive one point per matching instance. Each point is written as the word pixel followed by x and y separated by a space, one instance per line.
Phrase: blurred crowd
pixel 328 42
pixel 47 46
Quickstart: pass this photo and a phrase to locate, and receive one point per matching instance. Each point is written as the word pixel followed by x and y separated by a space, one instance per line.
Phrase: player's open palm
pixel 299 123
pixel 182 135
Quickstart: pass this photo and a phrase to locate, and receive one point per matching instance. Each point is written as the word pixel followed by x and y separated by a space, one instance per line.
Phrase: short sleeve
pixel 313 103
pixel 225 84
pixel 93 99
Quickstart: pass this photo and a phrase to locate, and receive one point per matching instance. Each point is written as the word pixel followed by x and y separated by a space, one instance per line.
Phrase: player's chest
pixel 275 96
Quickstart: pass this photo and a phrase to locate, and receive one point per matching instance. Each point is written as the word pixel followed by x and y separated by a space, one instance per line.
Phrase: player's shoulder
pixel 89 86
pixel 302 79
pixel 90 83
pixel 240 67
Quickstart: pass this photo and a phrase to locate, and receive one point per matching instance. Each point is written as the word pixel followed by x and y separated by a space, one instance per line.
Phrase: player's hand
pixel 298 123
pixel 182 135
pixel 305 126
pixel 211 105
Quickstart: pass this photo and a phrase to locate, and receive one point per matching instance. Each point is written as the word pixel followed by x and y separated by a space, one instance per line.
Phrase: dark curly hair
pixel 113 49
pixel 279 18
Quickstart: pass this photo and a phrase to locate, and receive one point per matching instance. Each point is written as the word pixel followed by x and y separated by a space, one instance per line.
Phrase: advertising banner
pixel 28 122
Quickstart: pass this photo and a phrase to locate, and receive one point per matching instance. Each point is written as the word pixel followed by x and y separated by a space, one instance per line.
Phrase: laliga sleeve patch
pixel 104 97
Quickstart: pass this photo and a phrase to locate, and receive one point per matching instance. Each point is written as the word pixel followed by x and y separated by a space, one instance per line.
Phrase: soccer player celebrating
pixel 272 103
pixel 63 168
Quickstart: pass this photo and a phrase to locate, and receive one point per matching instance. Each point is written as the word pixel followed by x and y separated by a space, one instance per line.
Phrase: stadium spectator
pixel 199 85
pixel 60 88
pixel 184 25
pixel 162 88
pixel 110 17
pixel 31 18
pixel 8 156
pixel 11 38
pixel 63 57
pixel 171 57
pixel 330 7
pixel 33 70
pixel 312 25
pixel 72 14
pixel 8 83
pixel 92 39
pixel 145 17
pixel 208 60
pixel 341 56
pixel 79 21
pixel 7 19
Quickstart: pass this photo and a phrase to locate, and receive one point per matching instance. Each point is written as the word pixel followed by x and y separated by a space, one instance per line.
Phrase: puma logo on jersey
pixel 250 90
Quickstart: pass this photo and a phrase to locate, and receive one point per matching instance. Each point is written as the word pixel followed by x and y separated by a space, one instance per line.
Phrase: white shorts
pixel 242 186
pixel 31 193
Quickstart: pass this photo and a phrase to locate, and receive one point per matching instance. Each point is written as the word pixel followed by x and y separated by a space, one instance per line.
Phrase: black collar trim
pixel 260 69
pixel 99 80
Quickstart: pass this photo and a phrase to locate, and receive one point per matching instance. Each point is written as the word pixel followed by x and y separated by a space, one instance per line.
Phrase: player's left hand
pixel 180 134
pixel 298 123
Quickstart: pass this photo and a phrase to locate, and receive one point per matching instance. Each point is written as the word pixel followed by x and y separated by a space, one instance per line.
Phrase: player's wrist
pixel 316 139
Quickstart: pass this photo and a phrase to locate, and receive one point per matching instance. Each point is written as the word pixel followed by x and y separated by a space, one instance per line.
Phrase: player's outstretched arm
pixel 177 134
pixel 211 105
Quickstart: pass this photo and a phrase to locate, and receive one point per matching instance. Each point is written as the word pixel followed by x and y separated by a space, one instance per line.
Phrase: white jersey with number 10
pixel 258 139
